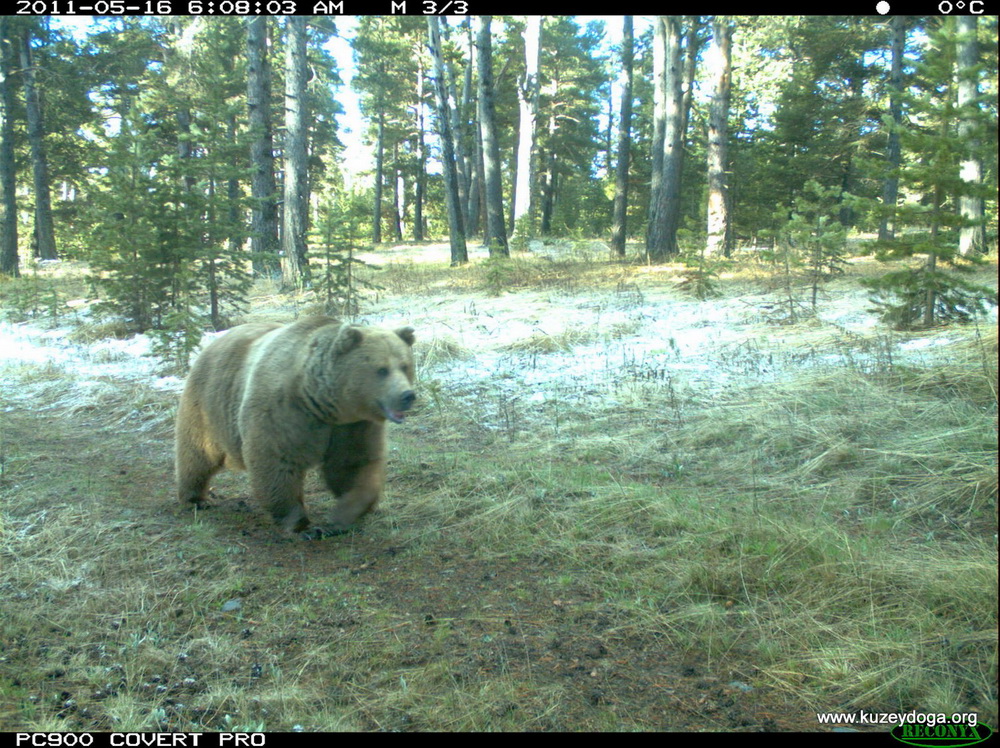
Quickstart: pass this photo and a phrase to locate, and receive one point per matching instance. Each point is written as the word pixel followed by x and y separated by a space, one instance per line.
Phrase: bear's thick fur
pixel 277 400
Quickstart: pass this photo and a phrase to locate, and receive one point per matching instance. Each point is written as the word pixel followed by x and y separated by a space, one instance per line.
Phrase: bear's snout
pixel 395 409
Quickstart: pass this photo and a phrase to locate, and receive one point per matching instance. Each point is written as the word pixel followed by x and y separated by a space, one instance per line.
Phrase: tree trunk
pixel 9 264
pixel 496 235
pixel 549 193
pixel 379 176
pixel 44 233
pixel 421 175
pixel 398 194
pixel 619 219
pixel 527 101
pixel 473 165
pixel 456 228
pixel 890 188
pixel 659 129
pixel 458 128
pixel 685 95
pixel 719 63
pixel 237 236
pixel 264 212
pixel 293 238
pixel 662 239
pixel 971 235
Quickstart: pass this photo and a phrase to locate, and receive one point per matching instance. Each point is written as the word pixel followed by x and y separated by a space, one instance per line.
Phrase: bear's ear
pixel 349 338
pixel 406 333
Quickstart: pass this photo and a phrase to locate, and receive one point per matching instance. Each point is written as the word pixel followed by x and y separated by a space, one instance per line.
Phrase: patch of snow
pixel 622 344
pixel 922 343
pixel 34 362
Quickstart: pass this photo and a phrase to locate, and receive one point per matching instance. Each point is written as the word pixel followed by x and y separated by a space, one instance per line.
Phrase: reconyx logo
pixel 941 735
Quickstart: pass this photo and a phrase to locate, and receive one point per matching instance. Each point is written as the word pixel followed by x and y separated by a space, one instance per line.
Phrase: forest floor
pixel 615 508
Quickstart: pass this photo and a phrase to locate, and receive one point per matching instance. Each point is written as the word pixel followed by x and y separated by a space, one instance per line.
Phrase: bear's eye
pixel 383 372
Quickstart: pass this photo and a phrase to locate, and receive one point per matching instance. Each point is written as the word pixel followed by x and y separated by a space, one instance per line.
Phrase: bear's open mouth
pixel 395 416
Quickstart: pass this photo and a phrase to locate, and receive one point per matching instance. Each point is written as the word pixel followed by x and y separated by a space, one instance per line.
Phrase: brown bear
pixel 277 400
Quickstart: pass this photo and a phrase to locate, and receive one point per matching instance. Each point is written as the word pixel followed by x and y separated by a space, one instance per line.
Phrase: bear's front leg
pixel 278 488
pixel 360 496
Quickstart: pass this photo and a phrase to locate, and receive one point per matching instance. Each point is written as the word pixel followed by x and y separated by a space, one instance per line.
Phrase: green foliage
pixel 178 338
pixel 337 234
pixel 146 135
pixel 163 246
pixel 145 245
pixel 930 293
pixel 927 221
pixel 813 237
pixel 574 88
pixel 500 272
pixel 700 274
pixel 522 234
pixel 801 110
pixel 168 252
pixel 29 296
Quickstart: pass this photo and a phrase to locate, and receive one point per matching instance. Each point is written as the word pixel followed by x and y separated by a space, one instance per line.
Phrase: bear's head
pixel 362 373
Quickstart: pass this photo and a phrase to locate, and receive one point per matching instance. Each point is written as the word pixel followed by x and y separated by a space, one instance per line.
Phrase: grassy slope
pixel 826 542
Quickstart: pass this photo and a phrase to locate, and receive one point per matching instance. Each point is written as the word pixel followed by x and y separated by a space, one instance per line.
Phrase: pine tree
pixel 929 224
pixel 336 236
pixel 9 261
pixel 496 234
pixel 814 238
pixel 574 87
pixel 45 238
pixel 264 215
pixel 719 60
pixel 296 187
pixel 456 224
pixel 527 99
pixel 169 254
pixel 620 216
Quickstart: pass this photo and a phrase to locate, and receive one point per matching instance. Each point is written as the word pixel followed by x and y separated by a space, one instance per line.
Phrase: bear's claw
pixel 317 532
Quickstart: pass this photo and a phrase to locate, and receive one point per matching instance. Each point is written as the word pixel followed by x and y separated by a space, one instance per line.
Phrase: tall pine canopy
pixel 181 157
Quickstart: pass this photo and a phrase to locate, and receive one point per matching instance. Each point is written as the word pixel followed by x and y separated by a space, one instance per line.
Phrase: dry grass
pixel 827 538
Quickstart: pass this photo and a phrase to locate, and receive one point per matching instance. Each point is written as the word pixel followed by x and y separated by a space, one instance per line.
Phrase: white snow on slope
pixel 633 335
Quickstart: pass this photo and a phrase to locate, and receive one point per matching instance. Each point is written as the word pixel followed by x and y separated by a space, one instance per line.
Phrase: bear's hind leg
pixel 194 469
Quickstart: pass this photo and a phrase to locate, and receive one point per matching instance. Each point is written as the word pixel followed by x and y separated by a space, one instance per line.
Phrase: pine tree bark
pixel 264 210
pixel 619 218
pixel 692 43
pixel 890 188
pixel 296 193
pixel 9 262
pixel 527 101
pixel 473 164
pixel 659 130
pixel 662 236
pixel 719 58
pixel 421 176
pixel 379 176
pixel 456 227
pixel 398 194
pixel 45 237
pixel 971 235
pixel 496 234
pixel 458 127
